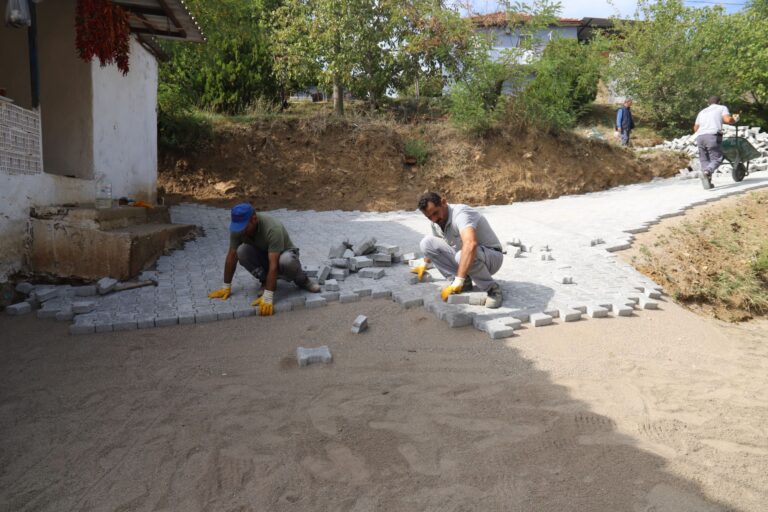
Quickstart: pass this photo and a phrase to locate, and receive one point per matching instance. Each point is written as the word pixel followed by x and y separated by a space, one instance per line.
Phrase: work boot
pixel 495 297
pixel 310 286
pixel 706 180
pixel 467 285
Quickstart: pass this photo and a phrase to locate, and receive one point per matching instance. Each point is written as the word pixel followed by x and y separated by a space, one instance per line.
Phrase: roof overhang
pixel 164 19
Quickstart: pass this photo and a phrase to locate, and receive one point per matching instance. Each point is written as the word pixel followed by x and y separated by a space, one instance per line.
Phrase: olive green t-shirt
pixel 270 236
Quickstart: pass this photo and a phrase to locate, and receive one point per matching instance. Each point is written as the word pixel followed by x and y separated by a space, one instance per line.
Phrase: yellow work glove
pixel 265 303
pixel 222 293
pixel 419 271
pixel 454 287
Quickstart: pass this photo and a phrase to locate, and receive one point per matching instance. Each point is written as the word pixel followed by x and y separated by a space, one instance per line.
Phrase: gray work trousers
pixel 710 152
pixel 487 261
pixel 256 262
pixel 625 137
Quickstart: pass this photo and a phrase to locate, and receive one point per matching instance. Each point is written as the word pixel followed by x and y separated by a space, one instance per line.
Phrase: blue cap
pixel 241 214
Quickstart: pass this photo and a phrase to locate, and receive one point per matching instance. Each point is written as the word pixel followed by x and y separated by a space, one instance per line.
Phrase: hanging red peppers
pixel 103 30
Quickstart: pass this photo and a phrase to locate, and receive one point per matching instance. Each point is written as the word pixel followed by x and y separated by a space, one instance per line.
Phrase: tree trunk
pixel 338 96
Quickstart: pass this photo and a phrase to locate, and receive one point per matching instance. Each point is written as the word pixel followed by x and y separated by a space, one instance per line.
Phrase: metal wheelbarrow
pixel 738 152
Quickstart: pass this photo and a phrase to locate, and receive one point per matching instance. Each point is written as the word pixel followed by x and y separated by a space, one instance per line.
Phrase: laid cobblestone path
pixel 569 237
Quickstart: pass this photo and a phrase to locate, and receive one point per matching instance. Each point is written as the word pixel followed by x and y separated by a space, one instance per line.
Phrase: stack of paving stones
pixel 687 145
pixel 578 277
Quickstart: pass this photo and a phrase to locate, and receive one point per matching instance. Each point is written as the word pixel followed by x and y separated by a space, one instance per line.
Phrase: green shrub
pixel 417 149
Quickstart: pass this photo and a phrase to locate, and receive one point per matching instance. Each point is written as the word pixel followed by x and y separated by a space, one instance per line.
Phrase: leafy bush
pixel 476 103
pixel 417 149
pixel 564 84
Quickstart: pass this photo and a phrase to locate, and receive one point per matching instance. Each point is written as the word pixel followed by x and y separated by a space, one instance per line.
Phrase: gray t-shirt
pixel 461 216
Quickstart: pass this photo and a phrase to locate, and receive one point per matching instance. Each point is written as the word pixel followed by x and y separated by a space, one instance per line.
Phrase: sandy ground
pixel 666 411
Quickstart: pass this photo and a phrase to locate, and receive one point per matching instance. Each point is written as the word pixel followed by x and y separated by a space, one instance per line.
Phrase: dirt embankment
pixel 324 164
pixel 713 260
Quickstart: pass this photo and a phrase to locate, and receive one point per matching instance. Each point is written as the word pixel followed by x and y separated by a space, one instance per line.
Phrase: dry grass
pixel 718 262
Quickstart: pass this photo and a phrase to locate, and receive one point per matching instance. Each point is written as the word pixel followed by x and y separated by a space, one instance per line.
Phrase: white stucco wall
pixel 125 125
pixel 18 194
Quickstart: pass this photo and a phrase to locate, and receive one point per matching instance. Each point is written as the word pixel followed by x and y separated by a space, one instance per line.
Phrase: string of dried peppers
pixel 103 30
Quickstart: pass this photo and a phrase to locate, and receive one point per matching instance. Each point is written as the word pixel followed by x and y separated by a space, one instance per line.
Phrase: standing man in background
pixel 708 129
pixel 624 122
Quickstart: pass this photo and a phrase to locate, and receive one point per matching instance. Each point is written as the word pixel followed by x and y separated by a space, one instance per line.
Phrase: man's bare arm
pixel 230 264
pixel 274 259
pixel 468 251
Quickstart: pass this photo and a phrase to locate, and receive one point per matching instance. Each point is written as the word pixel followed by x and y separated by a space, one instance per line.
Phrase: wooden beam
pixel 171 16
pixel 158 33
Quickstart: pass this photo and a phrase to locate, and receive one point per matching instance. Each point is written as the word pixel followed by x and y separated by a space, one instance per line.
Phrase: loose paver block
pixel 359 262
pixel 387 248
pixel 411 256
pixel 372 273
pixel 83 306
pixel 339 274
pixel 332 285
pixel 25 288
pixel 47 294
pixel 330 296
pixel 307 356
pixel 22 308
pixel 410 302
pixel 381 293
pixel 86 291
pixel 363 292
pixel 315 302
pixel 340 262
pixel 595 311
pixel 621 310
pixel 381 258
pixel 458 318
pixel 647 303
pixel 347 297
pixel 201 318
pixel 458 298
pixel 323 273
pixel 540 319
pixel 49 311
pixel 477 298
pixel 283 306
pixel 365 246
pixel 337 251
pixel 570 315
pixel 65 315
pixel 105 285
pixel 360 324
pixel 349 253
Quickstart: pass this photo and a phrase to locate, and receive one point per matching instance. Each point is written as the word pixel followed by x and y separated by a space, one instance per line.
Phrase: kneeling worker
pixel 261 244
pixel 463 247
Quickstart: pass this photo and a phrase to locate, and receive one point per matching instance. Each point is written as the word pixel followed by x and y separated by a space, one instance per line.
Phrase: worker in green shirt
pixel 261 244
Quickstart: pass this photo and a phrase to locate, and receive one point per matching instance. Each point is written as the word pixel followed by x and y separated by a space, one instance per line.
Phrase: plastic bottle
pixel 103 191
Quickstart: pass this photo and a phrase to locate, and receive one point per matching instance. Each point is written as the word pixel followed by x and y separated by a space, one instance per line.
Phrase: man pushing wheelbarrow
pixel 713 149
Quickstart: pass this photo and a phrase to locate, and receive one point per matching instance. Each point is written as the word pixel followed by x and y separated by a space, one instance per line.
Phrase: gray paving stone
pixel 65 315
pixel 307 356
pixel 459 298
pixel 22 308
pixel 477 298
pixel 458 318
pixel 647 303
pixel 105 285
pixel 387 249
pixel 363 292
pixel 46 294
pixel 315 302
pixel 621 310
pixel 24 288
pixel 595 311
pixel 365 246
pixel 146 323
pixel 298 301
pixel 202 318
pixel 570 315
pixel 125 325
pixel 323 274
pixel 283 306
pixel 540 319
pixel 360 324
pixel 83 306
pixel 331 285
pixel 330 296
pixel 372 273
pixel 346 297
pixel 86 291
pixel 339 274
pixel 381 293
pixel 225 315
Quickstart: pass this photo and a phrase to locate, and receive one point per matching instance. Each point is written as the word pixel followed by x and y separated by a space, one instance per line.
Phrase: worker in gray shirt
pixel 463 247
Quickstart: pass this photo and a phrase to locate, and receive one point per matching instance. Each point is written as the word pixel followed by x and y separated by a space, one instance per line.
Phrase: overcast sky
pixel 602 8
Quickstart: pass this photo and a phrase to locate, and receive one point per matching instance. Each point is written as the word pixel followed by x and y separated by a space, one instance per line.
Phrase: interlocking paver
pixel 530 285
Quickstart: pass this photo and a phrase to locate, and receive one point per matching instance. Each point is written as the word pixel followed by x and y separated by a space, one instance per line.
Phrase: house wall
pixel 125 125
pixel 65 93
pixel 503 40
pixel 14 64
pixel 19 193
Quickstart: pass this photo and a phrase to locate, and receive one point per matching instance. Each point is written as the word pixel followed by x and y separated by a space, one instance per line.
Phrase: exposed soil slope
pixel 714 260
pixel 323 164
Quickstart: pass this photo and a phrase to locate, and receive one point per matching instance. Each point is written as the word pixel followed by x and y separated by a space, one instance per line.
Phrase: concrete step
pixel 103 218
pixel 77 250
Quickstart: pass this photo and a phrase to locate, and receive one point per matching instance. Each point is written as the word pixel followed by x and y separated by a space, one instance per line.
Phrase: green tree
pixel 233 69
pixel 565 82
pixel 747 55
pixel 673 60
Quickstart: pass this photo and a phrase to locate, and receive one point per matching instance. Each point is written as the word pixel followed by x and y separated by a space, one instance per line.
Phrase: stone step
pixel 72 251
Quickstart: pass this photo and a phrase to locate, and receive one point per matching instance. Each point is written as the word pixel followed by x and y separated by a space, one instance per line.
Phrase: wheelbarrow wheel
pixel 738 172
